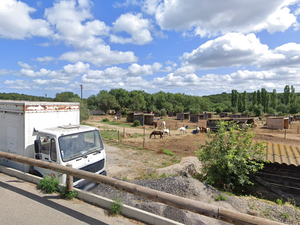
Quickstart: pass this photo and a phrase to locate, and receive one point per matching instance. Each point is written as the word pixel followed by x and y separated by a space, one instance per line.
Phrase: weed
pixel 125 178
pixel 163 175
pixel 279 201
pixel 68 194
pixel 105 120
pixel 198 176
pixel 145 161
pixel 164 163
pixel 167 152
pixel 221 197
pixel 266 212
pixel 115 207
pixel 139 148
pixel 284 215
pixel 49 185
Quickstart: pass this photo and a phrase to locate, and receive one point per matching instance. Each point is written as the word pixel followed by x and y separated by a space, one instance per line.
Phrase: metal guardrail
pixel 158 196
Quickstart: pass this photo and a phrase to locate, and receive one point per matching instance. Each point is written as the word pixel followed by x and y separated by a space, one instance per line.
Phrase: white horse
pixel 167 131
pixel 198 129
pixel 164 124
pixel 182 130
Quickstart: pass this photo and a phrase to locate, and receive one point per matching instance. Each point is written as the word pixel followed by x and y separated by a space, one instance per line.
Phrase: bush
pixel 226 156
pixel 49 185
pixel 105 120
pixel 68 194
pixel 221 197
pixel 163 112
pixel 136 123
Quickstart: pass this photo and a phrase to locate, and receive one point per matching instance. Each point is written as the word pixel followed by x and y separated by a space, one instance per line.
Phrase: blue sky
pixel 196 47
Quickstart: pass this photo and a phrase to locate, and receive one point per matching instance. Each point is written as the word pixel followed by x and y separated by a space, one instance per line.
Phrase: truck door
pixel 47 153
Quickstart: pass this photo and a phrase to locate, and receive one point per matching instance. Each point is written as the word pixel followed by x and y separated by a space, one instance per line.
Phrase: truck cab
pixel 78 145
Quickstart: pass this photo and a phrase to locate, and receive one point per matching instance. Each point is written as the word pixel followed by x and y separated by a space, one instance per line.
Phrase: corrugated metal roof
pixel 283 154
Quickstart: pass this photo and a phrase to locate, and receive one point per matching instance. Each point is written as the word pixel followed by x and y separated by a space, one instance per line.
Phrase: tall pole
pixel 81 87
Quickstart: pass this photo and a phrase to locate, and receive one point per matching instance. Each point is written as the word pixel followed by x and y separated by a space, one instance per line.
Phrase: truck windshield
pixel 79 145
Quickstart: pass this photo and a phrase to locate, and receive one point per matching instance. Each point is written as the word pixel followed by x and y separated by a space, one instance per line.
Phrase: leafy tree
pixel 121 95
pixel 286 95
pixel 84 111
pixel 65 96
pixel 258 97
pixel 254 99
pixel 274 101
pixel 265 97
pixel 226 156
pixel 240 104
pixel 107 101
pixel 293 95
pixel 234 98
pixel 294 108
pixel 163 112
pixel 282 108
pixel 258 110
pixel 92 102
pixel 179 108
pixel 137 102
pixel 244 101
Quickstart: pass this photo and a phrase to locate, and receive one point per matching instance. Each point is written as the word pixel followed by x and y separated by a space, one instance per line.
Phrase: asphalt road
pixel 21 203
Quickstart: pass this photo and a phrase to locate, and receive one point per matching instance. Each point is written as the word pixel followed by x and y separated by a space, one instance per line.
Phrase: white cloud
pixel 184 70
pixel 4 72
pixel 32 73
pixel 16 22
pixel 24 65
pixel 137 70
pixel 149 6
pixel 50 81
pixel 217 16
pixel 99 55
pixel 232 49
pixel 18 84
pixel 45 59
pixel 77 68
pixel 134 25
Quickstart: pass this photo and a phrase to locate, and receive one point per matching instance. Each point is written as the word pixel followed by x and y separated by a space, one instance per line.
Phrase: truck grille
pixel 91 168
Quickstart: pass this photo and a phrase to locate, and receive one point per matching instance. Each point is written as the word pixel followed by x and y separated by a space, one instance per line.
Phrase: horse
pixel 164 124
pixel 204 129
pixel 157 132
pixel 198 129
pixel 167 131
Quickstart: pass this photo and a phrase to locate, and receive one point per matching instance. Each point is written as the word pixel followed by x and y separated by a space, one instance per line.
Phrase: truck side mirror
pixel 37 146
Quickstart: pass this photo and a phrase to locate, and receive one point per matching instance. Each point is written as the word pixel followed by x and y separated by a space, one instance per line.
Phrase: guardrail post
pixel 69 181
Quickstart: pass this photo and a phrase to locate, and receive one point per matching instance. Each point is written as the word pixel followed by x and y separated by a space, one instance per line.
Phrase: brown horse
pixel 157 132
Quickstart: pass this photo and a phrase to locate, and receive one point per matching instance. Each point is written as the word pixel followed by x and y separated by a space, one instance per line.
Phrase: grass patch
pixel 87 124
pixel 117 124
pixel 165 151
pixel 115 207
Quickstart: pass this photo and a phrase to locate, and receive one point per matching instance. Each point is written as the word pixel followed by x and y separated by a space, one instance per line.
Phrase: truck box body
pixel 20 119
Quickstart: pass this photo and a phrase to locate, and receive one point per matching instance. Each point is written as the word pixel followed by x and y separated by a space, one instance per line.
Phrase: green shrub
pixel 279 201
pixel 136 123
pixel 68 194
pixel 168 152
pixel 49 185
pixel 221 197
pixel 105 120
pixel 115 207
pixel 226 157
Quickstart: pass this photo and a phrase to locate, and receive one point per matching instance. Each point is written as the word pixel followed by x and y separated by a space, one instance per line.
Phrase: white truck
pixel 51 132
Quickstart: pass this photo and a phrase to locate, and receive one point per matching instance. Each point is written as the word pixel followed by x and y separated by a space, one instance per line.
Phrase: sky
pixel 195 47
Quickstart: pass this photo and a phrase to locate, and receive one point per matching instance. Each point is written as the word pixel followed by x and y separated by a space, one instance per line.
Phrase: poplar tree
pixel 286 95
pixel 254 99
pixel 293 95
pixel 258 97
pixel 274 100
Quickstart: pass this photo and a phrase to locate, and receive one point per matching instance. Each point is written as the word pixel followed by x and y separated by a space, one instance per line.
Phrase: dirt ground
pixel 186 144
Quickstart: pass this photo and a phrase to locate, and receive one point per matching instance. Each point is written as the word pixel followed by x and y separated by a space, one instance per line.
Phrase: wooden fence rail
pixel 172 200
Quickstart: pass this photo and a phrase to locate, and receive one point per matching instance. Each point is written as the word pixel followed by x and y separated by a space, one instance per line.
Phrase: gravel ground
pixel 193 189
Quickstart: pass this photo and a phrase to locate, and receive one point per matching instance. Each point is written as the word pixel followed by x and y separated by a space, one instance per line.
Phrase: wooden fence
pixel 158 196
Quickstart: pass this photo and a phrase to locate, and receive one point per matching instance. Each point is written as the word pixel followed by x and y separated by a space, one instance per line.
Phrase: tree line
pixel 255 103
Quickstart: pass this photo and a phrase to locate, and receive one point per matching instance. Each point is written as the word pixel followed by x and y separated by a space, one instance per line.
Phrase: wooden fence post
pixel 69 181
pixel 144 137
pixel 118 136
